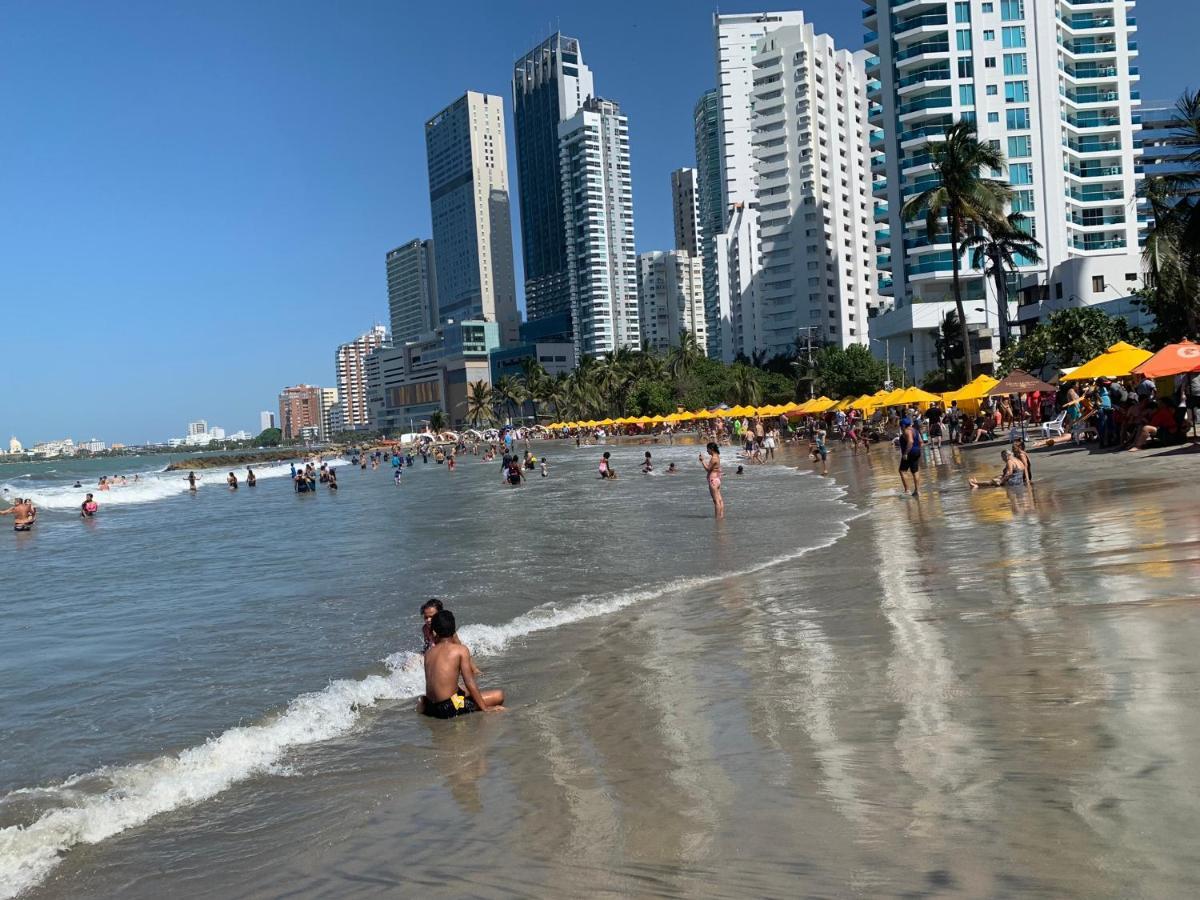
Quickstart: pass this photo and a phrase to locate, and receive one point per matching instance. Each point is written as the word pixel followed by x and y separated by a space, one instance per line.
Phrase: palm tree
pixel 437 421
pixel 505 394
pixel 1172 248
pixel 745 389
pixel 681 359
pixel 479 402
pixel 963 197
pixel 533 380
pixel 1004 245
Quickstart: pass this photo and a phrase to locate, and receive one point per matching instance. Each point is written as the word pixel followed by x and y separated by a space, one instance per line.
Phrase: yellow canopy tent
pixel 1117 361
pixel 657 420
pixel 863 403
pixel 790 406
pixel 843 404
pixel 642 420
pixel 969 396
pixel 822 404
pixel 917 396
pixel 606 422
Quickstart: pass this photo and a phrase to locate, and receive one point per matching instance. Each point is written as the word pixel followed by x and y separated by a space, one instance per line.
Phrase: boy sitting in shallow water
pixel 446 662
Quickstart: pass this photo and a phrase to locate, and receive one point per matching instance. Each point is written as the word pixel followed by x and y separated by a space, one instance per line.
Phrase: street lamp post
pixel 887 351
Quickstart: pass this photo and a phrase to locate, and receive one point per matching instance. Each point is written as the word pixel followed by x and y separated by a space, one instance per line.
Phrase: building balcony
pixel 1093 145
pixel 1087 22
pixel 935 129
pixel 927 50
pixel 1102 173
pixel 1089 48
pixel 1094 194
pixel 923 76
pixel 1084 221
pixel 1090 244
pixel 936 102
pixel 1084 98
pixel 906 27
pixel 1106 119
pixel 1086 72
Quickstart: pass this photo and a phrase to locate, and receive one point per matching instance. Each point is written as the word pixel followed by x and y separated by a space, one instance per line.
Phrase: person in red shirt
pixel 1162 426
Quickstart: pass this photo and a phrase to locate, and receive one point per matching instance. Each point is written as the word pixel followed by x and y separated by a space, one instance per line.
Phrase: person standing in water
pixel 232 482
pixel 88 508
pixel 251 478
pixel 23 514
pixel 910 454
pixel 712 466
pixel 647 465
pixel 191 480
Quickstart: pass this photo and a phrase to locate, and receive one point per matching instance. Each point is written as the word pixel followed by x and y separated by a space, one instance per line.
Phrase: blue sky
pixel 196 198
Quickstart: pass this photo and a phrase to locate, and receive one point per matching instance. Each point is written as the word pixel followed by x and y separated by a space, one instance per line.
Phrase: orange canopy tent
pixel 1173 359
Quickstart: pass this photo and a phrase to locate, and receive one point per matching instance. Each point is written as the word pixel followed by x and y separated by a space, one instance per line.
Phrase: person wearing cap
pixel 910 454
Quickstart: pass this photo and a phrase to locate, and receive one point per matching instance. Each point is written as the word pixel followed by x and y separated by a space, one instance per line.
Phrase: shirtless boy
pixel 446 662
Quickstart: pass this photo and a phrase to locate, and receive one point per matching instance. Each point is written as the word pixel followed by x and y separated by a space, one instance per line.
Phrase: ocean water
pixel 180 648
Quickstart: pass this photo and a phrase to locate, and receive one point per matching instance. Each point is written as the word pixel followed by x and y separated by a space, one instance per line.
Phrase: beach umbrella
pixel 976 390
pixel 863 403
pixel 1018 381
pixel 658 420
pixel 915 395
pixel 682 417
pixel 1173 359
pixel 1117 361
pixel 643 420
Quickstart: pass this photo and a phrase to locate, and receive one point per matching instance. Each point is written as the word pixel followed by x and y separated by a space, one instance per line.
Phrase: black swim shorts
pixel 455 705
pixel 911 462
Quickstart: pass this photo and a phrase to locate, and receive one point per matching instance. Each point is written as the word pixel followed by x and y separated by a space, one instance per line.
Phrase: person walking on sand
pixel 821 450
pixel 446 662
pixel 712 466
pixel 910 454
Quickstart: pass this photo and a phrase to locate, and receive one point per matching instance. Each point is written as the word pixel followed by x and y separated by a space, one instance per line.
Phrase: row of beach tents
pixel 1121 360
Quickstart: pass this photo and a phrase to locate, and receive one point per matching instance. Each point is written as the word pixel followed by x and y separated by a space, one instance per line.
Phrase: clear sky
pixel 196 198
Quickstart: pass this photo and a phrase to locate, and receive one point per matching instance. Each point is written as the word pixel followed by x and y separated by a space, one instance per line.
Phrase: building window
pixel 1016 92
pixel 987 7
pixel 1018 119
pixel 992 90
pixel 966 67
pixel 993 117
pixel 962 12
pixel 1022 201
pixel 963 38
pixel 1097 283
pixel 988 34
pixel 989 62
pixel 1020 173
pixel 1011 10
pixel 1016 64
pixel 1131 276
pixel 1058 291
pixel 1020 147
pixel 1013 36
pixel 966 94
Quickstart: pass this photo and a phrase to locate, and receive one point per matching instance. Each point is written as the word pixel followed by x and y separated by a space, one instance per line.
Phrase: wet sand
pixel 986 694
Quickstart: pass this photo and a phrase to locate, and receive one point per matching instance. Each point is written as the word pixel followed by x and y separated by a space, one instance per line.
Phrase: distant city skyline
pixel 209 235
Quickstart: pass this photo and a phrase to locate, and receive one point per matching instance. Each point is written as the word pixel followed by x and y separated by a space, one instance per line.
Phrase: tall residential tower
pixel 468 199
pixel 1050 83
pixel 412 290
pixel 550 84
pixel 685 208
pixel 350 361
pixel 598 203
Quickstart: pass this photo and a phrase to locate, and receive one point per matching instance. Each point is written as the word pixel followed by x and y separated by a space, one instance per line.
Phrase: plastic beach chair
pixel 1055 428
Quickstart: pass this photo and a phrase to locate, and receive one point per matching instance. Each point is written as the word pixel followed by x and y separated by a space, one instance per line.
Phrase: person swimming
pixel 647 465
pixel 671 470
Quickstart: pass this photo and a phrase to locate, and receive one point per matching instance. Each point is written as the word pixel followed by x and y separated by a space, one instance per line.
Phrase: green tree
pixel 1004 245
pixel 851 371
pixel 437 421
pixel 681 359
pixel 1069 337
pixel 269 437
pixel 963 197
pixel 744 388
pixel 506 395
pixel 534 381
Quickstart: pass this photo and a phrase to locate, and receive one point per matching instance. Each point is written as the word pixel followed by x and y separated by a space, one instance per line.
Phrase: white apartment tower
pixel 670 298
pixel 816 266
pixel 350 362
pixel 472 226
pixel 597 194
pixel 685 207
pixel 1052 84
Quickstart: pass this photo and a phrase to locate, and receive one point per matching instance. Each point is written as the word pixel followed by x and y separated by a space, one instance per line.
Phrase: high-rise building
pixel 598 205
pixel 1052 85
pixel 550 84
pixel 472 226
pixel 735 38
pixel 735 262
pixel 350 361
pixel 266 419
pixel 670 298
pixel 685 208
pixel 812 183
pixel 198 427
pixel 1163 139
pixel 299 408
pixel 707 120
pixel 333 417
pixel 412 289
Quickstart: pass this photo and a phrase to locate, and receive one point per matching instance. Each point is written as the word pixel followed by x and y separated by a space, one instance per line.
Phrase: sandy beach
pixel 985 693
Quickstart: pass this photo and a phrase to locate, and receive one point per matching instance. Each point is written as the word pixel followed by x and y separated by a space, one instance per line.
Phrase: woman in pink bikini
pixel 713 467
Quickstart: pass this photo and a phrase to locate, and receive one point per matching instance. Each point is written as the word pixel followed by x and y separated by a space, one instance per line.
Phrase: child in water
pixel 544 466
pixel 647 466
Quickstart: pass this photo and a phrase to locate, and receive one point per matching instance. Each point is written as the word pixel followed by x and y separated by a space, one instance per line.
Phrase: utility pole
pixel 812 381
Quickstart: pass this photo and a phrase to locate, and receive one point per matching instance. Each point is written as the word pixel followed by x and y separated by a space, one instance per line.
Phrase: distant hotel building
pixel 299 409
pixel 710 206
pixel 685 209
pixel 550 84
pixel 598 202
pixel 350 362
pixel 472 227
pixel 412 289
pixel 266 420
pixel 670 298
pixel 200 427
pixel 1052 84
